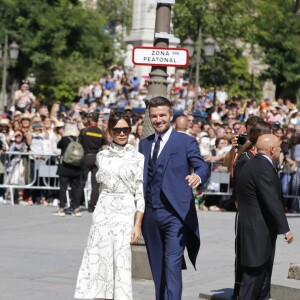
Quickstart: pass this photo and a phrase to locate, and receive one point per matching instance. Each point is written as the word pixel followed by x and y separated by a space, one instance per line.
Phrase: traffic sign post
pixel 163 57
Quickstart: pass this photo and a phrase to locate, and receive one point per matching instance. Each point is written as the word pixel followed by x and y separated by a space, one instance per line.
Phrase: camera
pixel 275 126
pixel 242 138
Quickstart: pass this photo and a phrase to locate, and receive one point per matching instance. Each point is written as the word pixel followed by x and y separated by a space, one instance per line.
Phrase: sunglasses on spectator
pixel 118 130
pixel 25 81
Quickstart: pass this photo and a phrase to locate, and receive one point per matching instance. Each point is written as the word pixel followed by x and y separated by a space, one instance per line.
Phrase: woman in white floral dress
pixel 105 271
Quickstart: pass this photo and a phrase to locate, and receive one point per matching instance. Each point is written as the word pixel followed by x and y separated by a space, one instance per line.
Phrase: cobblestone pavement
pixel 41 253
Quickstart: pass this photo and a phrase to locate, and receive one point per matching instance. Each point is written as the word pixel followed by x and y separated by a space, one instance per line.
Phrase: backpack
pixel 74 153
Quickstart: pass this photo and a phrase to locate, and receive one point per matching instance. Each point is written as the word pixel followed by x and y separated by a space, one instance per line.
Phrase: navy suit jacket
pixel 180 154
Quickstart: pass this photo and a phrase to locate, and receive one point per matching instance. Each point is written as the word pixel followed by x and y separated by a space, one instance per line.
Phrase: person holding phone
pixel 24 99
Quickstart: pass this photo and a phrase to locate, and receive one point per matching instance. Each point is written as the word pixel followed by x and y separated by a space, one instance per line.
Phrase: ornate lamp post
pixel 6 60
pixel 158 75
pixel 211 48
pixel 190 46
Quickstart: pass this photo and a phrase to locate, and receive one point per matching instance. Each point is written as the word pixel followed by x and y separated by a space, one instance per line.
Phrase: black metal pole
pixel 158 77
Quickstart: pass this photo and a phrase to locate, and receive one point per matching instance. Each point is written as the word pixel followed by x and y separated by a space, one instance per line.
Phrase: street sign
pixel 164 57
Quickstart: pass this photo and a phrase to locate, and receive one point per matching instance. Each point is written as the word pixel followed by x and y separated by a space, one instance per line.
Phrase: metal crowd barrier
pixel 26 170
pixel 219 183
pixel 39 172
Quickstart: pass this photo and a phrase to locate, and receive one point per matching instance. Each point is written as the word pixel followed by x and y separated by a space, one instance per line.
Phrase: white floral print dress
pixel 105 270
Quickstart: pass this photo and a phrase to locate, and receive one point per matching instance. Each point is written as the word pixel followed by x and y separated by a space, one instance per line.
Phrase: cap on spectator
pixel 128 108
pixel 93 116
pixel 292 112
pixel 36 119
pixel 59 124
pixel 217 122
pixel 4 122
pixel 17 113
pixel 37 126
pixel 203 133
pixel 25 116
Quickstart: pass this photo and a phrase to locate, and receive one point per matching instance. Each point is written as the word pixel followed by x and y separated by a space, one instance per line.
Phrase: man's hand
pixel 193 180
pixel 289 237
pixel 234 141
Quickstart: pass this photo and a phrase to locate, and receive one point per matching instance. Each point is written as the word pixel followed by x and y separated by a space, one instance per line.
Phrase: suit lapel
pixel 148 147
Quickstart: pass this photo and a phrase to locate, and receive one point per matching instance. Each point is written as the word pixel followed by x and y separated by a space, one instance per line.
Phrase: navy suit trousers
pixel 167 237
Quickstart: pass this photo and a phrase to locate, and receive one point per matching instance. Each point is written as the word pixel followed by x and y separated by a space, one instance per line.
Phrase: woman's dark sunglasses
pixel 118 130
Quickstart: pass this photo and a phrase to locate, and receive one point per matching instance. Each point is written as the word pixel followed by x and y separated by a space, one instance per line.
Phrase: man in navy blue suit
pixel 170 221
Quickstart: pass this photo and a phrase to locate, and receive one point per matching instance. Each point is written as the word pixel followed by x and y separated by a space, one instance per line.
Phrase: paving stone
pixel 40 255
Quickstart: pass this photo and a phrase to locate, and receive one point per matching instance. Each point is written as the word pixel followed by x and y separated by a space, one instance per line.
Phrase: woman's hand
pixel 135 234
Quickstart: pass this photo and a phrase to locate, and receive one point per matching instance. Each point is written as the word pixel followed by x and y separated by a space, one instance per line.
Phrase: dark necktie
pixel 156 150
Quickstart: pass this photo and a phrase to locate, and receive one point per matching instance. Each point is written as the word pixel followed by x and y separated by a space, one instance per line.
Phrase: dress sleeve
pixel 98 163
pixel 139 188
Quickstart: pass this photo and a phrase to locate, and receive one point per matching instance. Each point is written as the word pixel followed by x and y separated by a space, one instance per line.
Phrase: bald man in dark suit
pixel 261 218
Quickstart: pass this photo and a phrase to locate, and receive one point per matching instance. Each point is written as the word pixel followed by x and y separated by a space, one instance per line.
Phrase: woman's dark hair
pixel 160 101
pixel 285 145
pixel 278 129
pixel 252 121
pixel 115 116
pixel 295 139
pixel 257 130
pixel 261 127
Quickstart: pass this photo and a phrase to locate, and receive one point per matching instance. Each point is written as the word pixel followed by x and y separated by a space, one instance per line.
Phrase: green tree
pixel 278 34
pixel 226 21
pixel 273 25
pixel 118 19
pixel 62 44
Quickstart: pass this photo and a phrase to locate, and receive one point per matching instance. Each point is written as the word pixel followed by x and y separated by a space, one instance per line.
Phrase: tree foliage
pixel 118 19
pixel 226 21
pixel 62 44
pixel 278 34
pixel 272 24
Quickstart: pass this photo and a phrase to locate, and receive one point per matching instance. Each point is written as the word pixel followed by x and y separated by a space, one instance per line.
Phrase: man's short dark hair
pixel 160 101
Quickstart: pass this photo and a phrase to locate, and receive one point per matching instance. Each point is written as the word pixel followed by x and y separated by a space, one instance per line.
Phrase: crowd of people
pixel 155 183
pixel 157 178
pixel 215 123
